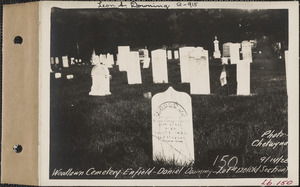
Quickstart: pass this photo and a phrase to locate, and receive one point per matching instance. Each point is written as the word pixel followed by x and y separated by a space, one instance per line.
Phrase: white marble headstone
pixel 100 81
pixel 243 77
pixel 56 60
pixel 123 58
pixel 199 71
pixel 159 66
pixel 217 53
pixel 172 128
pixel 133 69
pixel 52 60
pixel 65 61
pixel 95 59
pixel 176 54
pixel 247 51
pixel 109 60
pixel 184 63
pixel 169 54
pixel 226 49
pixel 235 53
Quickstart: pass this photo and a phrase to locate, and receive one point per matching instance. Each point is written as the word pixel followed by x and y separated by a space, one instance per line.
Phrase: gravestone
pixel 176 54
pixel 109 60
pixel 217 53
pixel 100 81
pixel 56 60
pixel 65 61
pixel 146 63
pixel 172 128
pixel 117 61
pixel 235 53
pixel 95 59
pixel 57 75
pixel 133 69
pixel 102 58
pixel 70 76
pixel 124 53
pixel 144 58
pixel 226 49
pixel 72 60
pixel 224 60
pixel 159 66
pixel 199 71
pixel 247 51
pixel 184 64
pixel 169 54
pixel 243 77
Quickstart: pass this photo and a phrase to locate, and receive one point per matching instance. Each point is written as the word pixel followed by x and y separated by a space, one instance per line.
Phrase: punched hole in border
pixel 18 40
pixel 17 148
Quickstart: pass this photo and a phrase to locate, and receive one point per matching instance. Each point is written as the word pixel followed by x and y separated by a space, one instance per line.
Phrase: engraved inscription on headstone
pixel 172 128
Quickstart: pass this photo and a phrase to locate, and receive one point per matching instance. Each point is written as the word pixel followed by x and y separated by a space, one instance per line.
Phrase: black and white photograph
pixel 146 91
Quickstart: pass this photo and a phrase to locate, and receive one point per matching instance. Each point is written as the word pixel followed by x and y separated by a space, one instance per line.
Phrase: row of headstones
pixel 194 66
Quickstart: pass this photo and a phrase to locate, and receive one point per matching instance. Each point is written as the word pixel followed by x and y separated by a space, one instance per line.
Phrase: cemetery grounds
pixel 115 131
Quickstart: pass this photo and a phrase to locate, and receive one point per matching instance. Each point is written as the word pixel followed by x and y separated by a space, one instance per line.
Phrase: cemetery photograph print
pixel 168 93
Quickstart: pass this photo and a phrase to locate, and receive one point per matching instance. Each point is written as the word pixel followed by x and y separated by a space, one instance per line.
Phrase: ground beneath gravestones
pixel 115 131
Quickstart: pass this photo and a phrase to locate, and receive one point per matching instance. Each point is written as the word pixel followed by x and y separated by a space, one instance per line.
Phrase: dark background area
pixel 106 29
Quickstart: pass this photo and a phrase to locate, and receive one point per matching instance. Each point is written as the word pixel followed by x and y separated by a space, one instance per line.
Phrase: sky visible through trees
pixel 82 30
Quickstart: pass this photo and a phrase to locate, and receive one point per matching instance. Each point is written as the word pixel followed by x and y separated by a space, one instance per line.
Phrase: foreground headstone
pixel 172 128
pixel 123 58
pixel 243 77
pixel 100 81
pixel 65 61
pixel 217 53
pixel 159 66
pixel 184 64
pixel 199 71
pixel 133 69
pixel 235 53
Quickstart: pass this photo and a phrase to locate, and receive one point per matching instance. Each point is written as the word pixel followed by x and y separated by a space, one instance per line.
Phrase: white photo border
pixel 44 95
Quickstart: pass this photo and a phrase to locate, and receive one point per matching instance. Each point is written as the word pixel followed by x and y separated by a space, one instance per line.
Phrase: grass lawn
pixel 115 131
